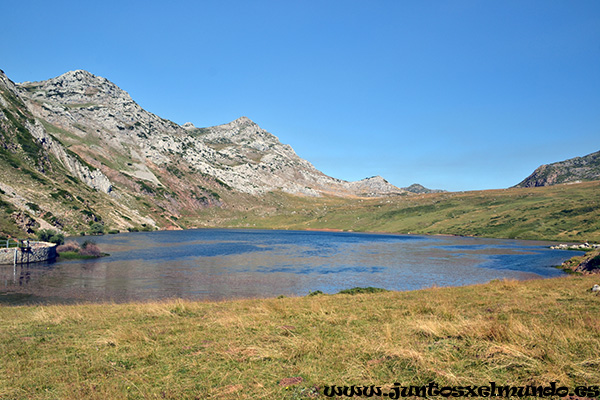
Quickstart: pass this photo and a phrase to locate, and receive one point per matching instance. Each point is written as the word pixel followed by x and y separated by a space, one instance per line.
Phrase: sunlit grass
pixel 561 213
pixel 510 332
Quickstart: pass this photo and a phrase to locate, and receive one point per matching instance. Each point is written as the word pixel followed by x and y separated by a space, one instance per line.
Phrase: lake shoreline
pixel 336 230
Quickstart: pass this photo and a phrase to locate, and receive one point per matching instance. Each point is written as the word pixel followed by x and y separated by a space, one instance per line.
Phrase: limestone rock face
pixel 94 178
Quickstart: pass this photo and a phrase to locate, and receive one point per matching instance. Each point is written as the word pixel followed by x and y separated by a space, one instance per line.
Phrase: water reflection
pixel 222 264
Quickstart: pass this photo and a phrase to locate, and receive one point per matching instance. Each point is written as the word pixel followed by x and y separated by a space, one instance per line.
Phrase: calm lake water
pixel 223 264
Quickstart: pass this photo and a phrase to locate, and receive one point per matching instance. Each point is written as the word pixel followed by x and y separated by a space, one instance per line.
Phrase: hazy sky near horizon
pixel 457 95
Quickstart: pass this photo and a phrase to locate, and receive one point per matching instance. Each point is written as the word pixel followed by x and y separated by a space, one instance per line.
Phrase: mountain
pixel 80 151
pixel 105 124
pixel 576 169
pixel 420 189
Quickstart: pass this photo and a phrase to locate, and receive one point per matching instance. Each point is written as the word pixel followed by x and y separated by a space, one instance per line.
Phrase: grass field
pixel 561 213
pixel 518 333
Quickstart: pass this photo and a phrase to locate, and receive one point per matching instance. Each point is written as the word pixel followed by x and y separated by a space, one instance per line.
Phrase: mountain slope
pixel 576 169
pixel 43 184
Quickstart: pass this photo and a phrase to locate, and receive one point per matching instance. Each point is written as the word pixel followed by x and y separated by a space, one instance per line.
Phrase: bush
pixel 48 235
pixel 361 290
pixel 69 246
pixel 33 206
pixel 90 249
pixel 97 229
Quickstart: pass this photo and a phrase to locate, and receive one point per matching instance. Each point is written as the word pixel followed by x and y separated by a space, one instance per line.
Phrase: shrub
pixel 69 246
pixel 33 206
pixel 97 229
pixel 48 235
pixel 90 249
pixel 361 290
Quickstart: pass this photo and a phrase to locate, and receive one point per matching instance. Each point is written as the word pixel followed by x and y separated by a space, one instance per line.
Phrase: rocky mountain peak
pixel 375 179
pixel 240 124
pixel 241 131
pixel 77 87
pixel 375 185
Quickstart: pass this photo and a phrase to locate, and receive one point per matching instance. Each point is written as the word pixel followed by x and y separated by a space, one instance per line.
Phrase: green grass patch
pixel 362 290
pixel 73 255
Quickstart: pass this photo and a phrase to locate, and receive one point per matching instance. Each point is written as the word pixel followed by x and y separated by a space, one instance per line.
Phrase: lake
pixel 217 264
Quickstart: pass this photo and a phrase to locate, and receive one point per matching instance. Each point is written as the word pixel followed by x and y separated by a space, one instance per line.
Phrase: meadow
pixel 569 213
pixel 509 332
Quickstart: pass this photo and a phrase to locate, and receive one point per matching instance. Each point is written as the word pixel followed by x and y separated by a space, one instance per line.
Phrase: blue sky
pixel 458 95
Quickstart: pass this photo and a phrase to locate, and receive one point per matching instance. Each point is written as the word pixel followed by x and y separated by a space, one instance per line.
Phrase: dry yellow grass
pixel 509 332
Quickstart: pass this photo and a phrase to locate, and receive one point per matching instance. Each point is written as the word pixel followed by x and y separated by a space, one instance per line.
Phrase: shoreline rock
pixel 586 264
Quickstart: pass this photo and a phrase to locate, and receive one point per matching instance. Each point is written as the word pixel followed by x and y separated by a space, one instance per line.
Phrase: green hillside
pixel 563 213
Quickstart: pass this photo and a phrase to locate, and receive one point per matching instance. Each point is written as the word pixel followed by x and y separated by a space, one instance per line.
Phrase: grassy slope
pixel 518 333
pixel 564 213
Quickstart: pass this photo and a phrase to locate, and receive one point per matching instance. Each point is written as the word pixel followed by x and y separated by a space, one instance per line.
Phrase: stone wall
pixel 38 252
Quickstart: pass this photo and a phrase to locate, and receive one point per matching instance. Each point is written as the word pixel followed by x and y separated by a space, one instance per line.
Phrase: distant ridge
pixel 420 189
pixel 586 168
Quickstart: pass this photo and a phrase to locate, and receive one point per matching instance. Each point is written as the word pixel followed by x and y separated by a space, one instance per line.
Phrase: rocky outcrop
pixel 92 177
pixel 576 169
pixel 586 264
pixel 374 186
pixel 590 265
pixel 25 222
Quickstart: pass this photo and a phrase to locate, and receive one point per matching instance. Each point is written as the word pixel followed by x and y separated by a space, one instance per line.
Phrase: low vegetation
pixel 509 332
pixel 72 250
pixel 51 236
